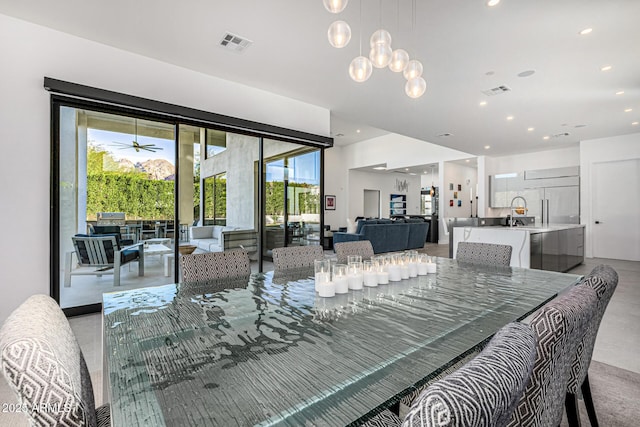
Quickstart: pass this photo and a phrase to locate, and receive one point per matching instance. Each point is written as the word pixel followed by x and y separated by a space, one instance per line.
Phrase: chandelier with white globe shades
pixel 381 54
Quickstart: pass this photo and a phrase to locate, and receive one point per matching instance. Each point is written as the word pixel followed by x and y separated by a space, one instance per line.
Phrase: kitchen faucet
pixel 514 209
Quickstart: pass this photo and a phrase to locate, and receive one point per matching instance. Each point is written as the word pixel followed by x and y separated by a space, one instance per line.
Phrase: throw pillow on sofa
pixel 351 226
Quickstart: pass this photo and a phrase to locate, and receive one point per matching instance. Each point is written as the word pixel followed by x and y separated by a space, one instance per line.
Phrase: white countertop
pixel 544 228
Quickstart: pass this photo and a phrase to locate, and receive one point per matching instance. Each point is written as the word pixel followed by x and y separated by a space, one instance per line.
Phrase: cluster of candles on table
pixel 332 278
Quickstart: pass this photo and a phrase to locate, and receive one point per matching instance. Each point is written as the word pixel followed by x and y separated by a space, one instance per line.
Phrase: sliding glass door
pixel 292 209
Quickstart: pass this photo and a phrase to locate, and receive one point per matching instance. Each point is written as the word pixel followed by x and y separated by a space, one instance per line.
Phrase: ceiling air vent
pixel 234 42
pixel 496 90
pixel 444 135
pixel 560 135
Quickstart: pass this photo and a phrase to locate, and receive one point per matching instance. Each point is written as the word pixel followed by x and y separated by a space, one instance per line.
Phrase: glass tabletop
pixel 268 351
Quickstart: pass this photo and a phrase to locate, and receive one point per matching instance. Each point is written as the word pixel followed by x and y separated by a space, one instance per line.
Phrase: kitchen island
pixel 556 247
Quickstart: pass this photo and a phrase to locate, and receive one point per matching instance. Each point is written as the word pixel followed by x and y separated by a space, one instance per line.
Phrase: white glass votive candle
pixel 369 274
pixel 394 269
pixel 422 265
pixel 326 289
pixel 383 273
pixel 322 270
pixel 404 267
pixel 340 279
pixel 354 275
pixel 431 266
pixel 412 262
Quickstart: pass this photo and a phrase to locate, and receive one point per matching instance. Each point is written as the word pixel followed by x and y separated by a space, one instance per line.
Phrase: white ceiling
pixel 465 46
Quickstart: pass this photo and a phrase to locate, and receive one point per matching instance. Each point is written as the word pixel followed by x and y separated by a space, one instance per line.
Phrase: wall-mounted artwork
pixel 450 202
pixel 459 202
pixel 455 194
pixel 451 186
pixel 459 187
pixel 330 203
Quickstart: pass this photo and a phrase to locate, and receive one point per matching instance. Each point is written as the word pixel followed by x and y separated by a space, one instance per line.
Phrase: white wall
pixel 458 175
pixel 29 53
pixel 385 183
pixel 336 184
pixel 624 147
pixel 397 151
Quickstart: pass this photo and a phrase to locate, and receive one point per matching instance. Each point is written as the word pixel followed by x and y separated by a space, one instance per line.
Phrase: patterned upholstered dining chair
pixel 296 256
pixel 560 326
pixel 361 247
pixel 44 366
pixel 483 392
pixel 604 280
pixel 484 253
pixel 215 265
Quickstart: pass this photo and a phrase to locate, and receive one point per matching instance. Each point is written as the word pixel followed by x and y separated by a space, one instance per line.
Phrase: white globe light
pixel 415 87
pixel 380 37
pixel 399 60
pixel 339 34
pixel 360 69
pixel 335 6
pixel 413 70
pixel 380 55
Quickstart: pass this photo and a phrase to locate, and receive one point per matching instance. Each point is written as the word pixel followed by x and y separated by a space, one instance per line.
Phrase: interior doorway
pixel 615 205
pixel 371 204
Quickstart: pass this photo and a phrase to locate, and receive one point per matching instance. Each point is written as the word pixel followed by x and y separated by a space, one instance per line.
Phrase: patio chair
pixel 101 255
pixel 44 366
pixel 296 256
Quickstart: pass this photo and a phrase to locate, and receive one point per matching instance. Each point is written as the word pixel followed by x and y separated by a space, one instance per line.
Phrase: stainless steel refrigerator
pixel 553 200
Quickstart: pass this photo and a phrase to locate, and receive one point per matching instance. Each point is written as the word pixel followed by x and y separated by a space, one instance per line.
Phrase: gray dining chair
pixel 43 364
pixel 361 247
pixel 560 326
pixel 604 280
pixel 484 253
pixel 296 256
pixel 483 392
pixel 215 265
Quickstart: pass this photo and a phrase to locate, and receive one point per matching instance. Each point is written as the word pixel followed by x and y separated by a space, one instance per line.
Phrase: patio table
pixel 269 351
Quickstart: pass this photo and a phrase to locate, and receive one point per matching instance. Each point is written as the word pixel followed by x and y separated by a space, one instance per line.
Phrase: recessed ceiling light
pixel 509 117
pixel 357 130
pixel 406 169
pixel 486 147
pixel 492 3
pixel 620 92
pixel 586 31
pixel 606 68
pixel 483 103
pixel 628 110
pixel 380 168
pixel 546 137
pixel 467 160
pixel 531 129
pixel 635 123
pixel 411 173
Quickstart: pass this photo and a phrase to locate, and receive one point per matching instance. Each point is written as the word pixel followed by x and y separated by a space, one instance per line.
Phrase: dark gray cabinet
pixel 557 250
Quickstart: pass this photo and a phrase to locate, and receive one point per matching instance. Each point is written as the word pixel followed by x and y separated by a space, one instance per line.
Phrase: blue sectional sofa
pixel 386 235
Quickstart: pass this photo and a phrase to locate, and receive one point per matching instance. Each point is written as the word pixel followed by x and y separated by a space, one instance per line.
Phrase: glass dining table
pixel 266 350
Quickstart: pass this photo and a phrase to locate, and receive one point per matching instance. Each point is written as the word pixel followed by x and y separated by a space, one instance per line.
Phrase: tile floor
pixel 618 342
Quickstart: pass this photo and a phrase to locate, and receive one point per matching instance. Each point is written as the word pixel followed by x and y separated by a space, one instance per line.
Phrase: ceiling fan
pixel 136 145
